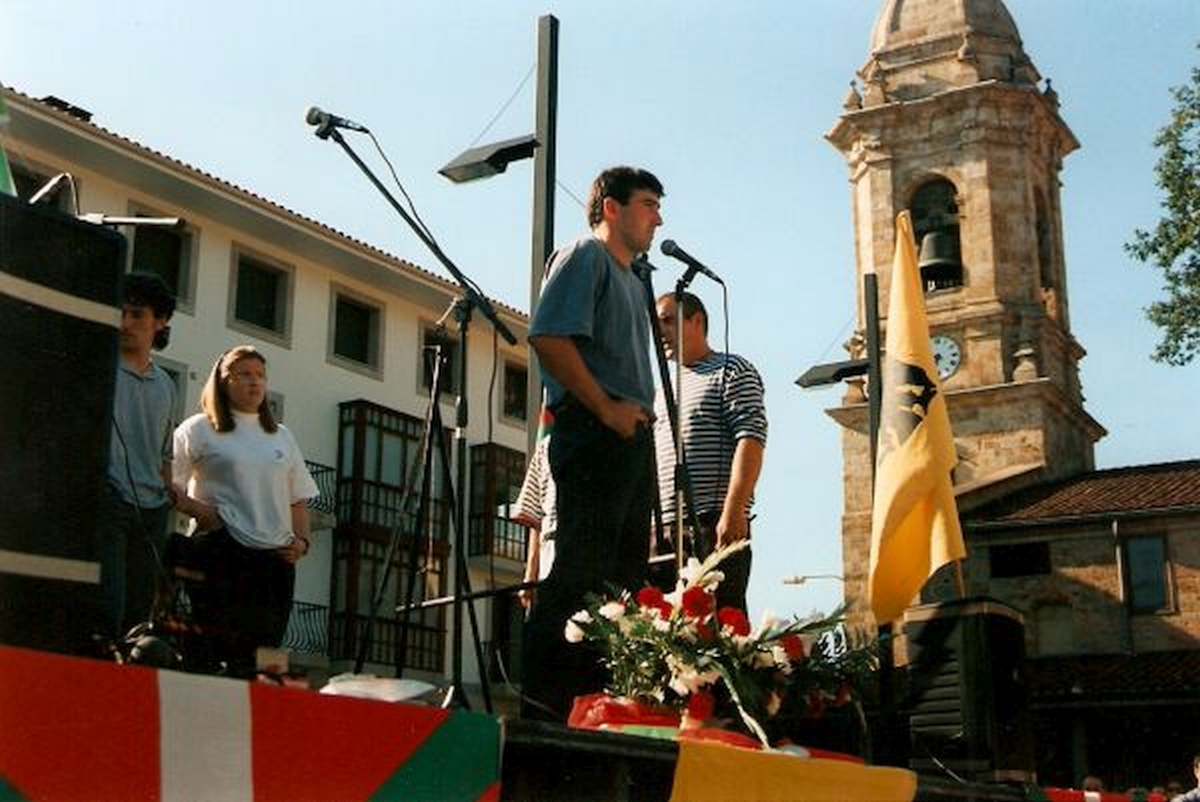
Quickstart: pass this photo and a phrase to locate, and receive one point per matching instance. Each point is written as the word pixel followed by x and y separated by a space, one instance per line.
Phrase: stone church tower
pixel 950 119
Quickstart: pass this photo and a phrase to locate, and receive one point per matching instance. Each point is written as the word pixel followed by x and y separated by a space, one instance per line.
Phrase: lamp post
pixel 801 579
pixel 488 160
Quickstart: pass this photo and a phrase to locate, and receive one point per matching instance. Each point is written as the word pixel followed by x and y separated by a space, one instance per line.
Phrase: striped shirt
pixel 721 401
pixel 536 504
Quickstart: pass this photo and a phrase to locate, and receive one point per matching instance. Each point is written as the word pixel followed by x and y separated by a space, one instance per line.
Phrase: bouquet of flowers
pixel 678 650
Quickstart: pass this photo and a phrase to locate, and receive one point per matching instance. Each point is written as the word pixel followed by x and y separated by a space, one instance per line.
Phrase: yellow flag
pixel 914 526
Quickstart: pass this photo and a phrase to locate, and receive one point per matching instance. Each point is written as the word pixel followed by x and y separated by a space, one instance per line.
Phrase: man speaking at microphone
pixel 591 332
pixel 723 430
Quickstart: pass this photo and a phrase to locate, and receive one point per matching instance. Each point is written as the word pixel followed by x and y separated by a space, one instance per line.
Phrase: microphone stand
pixel 683 481
pixel 470 299
pixel 683 484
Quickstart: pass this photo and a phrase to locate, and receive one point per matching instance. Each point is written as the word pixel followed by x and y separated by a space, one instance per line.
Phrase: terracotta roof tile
pixel 1139 488
pixel 1113 677
pixel 82 118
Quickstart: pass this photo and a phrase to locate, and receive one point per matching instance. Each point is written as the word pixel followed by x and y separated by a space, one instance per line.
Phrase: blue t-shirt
pixel 588 296
pixel 142 423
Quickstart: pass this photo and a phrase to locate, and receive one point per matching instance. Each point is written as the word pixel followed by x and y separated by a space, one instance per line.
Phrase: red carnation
pixel 700 705
pixel 652 598
pixel 735 619
pixel 793 646
pixel 697 602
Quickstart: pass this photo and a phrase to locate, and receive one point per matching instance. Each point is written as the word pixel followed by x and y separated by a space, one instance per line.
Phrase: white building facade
pixel 343 327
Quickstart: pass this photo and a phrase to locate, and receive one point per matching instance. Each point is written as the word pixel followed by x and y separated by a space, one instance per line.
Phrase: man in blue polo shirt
pixel 591 332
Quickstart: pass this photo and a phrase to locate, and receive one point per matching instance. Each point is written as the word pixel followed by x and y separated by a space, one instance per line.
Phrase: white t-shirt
pixel 250 476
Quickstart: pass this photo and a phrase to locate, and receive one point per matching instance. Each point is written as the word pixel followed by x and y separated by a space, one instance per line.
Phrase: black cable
pixel 164 586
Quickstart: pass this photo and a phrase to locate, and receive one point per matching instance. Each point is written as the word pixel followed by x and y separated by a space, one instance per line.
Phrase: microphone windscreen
pixel 314 116
pixel 668 247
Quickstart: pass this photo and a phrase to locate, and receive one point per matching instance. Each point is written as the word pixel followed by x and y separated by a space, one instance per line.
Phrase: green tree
pixel 1174 245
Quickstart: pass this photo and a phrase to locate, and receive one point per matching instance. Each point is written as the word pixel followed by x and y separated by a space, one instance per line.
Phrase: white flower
pixel 573 632
pixel 768 622
pixel 612 610
pixel 690 572
pixel 776 657
pixel 712 579
pixel 687 678
pixel 582 617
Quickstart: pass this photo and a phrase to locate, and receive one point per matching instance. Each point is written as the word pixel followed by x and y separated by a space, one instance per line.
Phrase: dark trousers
pixel 130 544
pixel 242 602
pixel 736 567
pixel 605 489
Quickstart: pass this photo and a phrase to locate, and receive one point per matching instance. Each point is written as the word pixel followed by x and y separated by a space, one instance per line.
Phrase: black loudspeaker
pixel 60 312
pixel 967 706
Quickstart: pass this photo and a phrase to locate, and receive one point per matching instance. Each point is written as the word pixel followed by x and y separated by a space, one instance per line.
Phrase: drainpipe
pixel 1126 625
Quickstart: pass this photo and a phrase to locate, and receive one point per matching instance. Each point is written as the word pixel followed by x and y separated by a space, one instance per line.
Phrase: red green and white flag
pixel 77 729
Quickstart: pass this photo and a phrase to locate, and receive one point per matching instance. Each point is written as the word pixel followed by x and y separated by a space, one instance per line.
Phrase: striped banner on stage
pixel 85 729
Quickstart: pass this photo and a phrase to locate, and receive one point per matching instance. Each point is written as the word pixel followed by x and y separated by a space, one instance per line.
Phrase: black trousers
pixel 605 490
pixel 699 544
pixel 242 602
pixel 736 567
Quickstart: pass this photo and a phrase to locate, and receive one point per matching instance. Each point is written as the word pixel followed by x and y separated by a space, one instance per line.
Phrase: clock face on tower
pixel 947 355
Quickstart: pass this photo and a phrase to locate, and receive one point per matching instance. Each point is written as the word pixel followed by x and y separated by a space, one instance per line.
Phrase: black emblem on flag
pixel 906 405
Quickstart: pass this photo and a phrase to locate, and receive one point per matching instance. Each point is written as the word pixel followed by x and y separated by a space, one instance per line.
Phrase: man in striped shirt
pixel 723 432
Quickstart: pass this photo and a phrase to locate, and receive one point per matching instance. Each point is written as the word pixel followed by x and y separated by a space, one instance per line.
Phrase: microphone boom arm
pixel 474 297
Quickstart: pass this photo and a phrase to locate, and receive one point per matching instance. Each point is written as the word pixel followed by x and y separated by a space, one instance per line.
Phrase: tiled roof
pixel 1139 488
pixel 82 118
pixel 1159 676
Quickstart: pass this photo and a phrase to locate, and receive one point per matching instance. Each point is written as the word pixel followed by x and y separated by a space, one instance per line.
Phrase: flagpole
pixel 888 754
pixel 874 364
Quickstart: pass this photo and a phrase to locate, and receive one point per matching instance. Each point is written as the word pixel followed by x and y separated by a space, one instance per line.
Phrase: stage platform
pixel 75 729
pixel 549 762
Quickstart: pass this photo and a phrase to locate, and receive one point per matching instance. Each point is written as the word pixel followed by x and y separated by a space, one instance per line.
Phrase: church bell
pixel 940 260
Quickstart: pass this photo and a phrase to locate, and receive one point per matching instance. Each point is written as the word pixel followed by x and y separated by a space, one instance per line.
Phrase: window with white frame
pixel 165 250
pixel 516 385
pixel 179 375
pixel 356 331
pixel 434 337
pixel 260 297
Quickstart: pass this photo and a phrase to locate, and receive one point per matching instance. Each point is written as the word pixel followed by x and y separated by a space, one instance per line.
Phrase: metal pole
pixel 546 133
pixel 886 755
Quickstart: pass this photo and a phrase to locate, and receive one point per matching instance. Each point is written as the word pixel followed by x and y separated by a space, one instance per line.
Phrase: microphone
pixel 694 265
pixel 326 122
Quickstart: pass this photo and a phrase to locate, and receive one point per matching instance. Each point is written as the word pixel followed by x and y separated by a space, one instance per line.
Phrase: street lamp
pixel 488 160
pixel 834 372
pixel 802 578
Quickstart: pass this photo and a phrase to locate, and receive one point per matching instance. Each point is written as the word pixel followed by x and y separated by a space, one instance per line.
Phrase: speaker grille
pixel 966 692
pixel 57 364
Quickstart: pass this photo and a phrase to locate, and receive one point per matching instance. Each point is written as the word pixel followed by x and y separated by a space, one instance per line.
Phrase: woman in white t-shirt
pixel 241 477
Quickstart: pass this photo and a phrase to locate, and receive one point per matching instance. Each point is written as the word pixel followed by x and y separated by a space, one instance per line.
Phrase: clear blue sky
pixel 727 102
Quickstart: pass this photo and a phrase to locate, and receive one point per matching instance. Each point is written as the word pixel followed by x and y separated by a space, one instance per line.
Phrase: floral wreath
pixel 679 651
